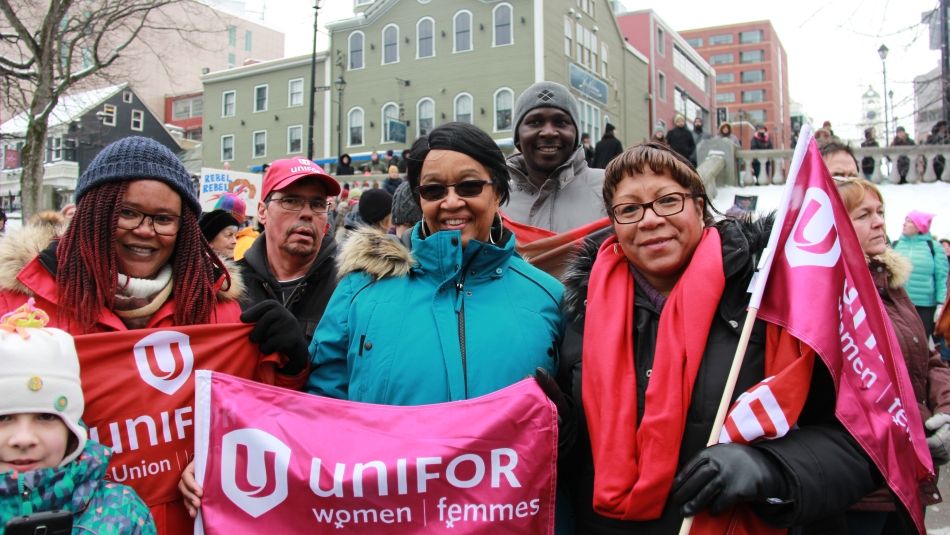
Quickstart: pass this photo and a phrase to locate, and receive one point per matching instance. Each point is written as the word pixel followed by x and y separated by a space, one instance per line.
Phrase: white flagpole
pixel 757 288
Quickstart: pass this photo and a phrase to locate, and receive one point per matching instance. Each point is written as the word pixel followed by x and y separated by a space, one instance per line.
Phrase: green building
pixel 409 65
pixel 258 113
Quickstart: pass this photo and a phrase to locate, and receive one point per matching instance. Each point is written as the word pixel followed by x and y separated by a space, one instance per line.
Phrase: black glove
pixel 720 476
pixel 276 330
pixel 566 418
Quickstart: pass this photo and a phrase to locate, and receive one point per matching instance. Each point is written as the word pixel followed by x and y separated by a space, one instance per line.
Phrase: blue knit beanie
pixel 138 157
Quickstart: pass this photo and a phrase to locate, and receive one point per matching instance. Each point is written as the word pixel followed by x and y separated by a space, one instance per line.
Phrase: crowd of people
pixel 414 291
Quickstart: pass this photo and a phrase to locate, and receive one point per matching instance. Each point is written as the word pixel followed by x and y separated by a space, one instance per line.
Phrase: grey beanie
pixel 546 95
pixel 138 157
pixel 406 210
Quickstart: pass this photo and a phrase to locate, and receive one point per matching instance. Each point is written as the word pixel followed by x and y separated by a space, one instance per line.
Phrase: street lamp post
pixel 340 86
pixel 883 53
pixel 313 81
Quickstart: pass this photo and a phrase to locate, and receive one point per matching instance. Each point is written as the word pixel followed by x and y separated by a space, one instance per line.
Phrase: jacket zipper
pixel 460 314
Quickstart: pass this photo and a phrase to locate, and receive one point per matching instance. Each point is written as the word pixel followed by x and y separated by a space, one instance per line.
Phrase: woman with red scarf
pixel 655 313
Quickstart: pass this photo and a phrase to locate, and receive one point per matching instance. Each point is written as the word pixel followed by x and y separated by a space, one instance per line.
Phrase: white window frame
pixel 382 121
pixel 109 113
pixel 56 148
pixel 660 41
pixel 603 60
pixel 254 144
pixel 455 106
pixel 127 97
pixel 298 127
pixel 494 24
pixel 419 104
pixel 494 99
pixel 266 88
pixel 224 103
pixel 568 36
pixel 382 45
pixel 138 115
pixel 349 51
pixel 419 41
pixel 471 33
pixel 290 93
pixel 349 127
pixel 231 137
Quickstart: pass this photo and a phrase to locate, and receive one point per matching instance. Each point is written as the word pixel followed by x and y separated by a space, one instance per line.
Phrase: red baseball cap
pixel 283 173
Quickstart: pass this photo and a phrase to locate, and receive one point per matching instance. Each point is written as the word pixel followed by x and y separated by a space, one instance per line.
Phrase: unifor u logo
pixel 254 467
pixel 814 238
pixel 164 360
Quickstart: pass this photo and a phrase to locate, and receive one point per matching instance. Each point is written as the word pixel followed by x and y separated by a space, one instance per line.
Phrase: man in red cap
pixel 291 267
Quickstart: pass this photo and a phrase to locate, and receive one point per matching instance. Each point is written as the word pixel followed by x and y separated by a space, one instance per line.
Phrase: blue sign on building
pixel 588 84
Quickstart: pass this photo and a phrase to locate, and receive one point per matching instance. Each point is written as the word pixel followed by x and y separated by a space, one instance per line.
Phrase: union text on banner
pixel 820 289
pixel 139 390
pixel 286 462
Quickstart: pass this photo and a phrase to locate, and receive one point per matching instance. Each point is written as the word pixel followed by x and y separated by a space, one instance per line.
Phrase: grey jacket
pixel 571 197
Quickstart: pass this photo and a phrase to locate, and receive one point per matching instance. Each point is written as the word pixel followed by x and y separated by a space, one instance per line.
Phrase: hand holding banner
pixel 303 463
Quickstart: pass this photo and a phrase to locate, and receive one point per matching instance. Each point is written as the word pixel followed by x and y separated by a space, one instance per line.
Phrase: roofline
pixel 261 67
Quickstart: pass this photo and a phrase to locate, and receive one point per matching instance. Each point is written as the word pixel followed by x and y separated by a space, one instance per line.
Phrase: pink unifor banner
pixel 819 288
pixel 276 461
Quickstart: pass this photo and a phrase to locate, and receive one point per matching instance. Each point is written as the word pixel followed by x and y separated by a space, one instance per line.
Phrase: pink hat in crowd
pixel 921 220
pixel 283 173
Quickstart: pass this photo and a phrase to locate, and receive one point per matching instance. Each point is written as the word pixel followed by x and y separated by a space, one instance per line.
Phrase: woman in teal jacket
pixel 458 313
pixel 927 286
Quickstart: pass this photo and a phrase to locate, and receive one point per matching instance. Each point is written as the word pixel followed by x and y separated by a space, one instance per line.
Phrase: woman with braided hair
pixel 133 257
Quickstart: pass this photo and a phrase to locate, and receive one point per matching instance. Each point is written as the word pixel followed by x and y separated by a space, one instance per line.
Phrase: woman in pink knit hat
pixel 927 286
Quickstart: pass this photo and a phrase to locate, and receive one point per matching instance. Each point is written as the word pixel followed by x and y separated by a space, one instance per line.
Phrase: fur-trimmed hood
pixel 379 255
pixel 20 247
pixel 743 241
pixel 898 267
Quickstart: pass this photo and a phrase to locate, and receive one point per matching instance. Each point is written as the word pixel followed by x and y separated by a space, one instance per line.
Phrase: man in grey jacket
pixel 551 185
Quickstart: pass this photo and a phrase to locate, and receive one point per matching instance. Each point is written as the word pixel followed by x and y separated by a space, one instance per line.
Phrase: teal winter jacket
pixel 99 507
pixel 927 285
pixel 441 323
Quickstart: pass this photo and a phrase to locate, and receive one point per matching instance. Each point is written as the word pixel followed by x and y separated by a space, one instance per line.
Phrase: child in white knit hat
pixel 46 461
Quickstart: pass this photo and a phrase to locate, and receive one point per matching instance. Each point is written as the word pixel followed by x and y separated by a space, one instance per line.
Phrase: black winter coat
pixel 607 149
pixel 681 140
pixel 825 469
pixel 309 301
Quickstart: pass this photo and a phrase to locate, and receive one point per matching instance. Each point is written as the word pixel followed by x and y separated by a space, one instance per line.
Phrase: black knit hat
pixel 138 157
pixel 375 205
pixel 406 210
pixel 214 222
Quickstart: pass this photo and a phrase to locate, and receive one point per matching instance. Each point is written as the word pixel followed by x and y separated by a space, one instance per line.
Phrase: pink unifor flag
pixel 816 284
pixel 271 460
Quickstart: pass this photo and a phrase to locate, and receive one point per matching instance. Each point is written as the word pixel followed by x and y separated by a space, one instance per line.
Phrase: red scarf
pixel 634 465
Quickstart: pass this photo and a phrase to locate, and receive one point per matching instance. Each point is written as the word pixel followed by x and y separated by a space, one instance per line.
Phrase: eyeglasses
pixel 465 188
pixel 665 206
pixel 296 204
pixel 164 224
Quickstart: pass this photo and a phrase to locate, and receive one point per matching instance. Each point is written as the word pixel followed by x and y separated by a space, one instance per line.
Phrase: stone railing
pixel 893 165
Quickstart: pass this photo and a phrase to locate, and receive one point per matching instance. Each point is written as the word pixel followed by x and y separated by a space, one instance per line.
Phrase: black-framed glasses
pixel 465 188
pixel 665 206
pixel 296 204
pixel 164 224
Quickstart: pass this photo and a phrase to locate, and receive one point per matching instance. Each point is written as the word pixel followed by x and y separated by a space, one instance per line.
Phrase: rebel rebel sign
pixel 294 463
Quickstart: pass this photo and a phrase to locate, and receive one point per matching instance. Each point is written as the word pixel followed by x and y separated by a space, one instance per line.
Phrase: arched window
pixel 504 101
pixel 501 22
pixel 356 50
pixel 390 113
pixel 463 108
pixel 354 121
pixel 425 116
pixel 425 38
pixel 463 31
pixel 390 44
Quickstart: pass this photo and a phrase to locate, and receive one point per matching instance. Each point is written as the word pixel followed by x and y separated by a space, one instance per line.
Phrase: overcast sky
pixel 831 44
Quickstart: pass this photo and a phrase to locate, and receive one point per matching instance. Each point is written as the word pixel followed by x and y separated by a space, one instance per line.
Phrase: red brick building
pixel 751 77
pixel 681 81
pixel 185 111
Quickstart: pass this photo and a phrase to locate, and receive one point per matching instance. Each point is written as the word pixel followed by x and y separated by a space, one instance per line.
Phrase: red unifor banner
pixel 284 462
pixel 139 391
